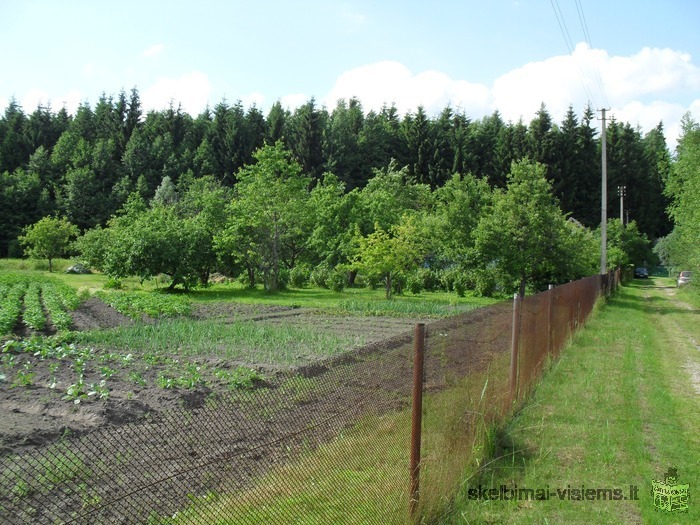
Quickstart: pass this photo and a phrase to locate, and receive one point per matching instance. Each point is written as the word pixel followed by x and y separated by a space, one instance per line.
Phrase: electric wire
pixel 587 36
pixel 569 44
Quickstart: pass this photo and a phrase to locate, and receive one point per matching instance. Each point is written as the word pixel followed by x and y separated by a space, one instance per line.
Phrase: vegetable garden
pixel 38 302
pixel 73 357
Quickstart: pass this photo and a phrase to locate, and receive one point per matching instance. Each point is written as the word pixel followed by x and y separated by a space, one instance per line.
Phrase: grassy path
pixel 620 407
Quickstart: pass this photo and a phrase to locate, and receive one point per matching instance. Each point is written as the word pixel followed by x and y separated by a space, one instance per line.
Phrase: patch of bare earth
pixel 94 314
pixel 35 415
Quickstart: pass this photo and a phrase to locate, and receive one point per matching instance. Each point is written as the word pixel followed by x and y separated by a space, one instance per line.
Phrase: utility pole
pixel 604 202
pixel 621 193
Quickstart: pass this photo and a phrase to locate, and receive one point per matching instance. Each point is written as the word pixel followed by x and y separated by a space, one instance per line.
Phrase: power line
pixel 562 25
pixel 569 44
pixel 587 36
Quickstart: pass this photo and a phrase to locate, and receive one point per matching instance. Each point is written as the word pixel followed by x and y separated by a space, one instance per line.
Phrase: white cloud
pixel 254 98
pixel 191 90
pixel 293 101
pixel 71 100
pixel 642 89
pixel 35 97
pixel 153 51
pixel 32 99
pixel 695 108
pixel 391 82
pixel 651 71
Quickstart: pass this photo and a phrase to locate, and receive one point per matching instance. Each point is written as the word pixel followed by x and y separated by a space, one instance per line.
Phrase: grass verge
pixel 616 411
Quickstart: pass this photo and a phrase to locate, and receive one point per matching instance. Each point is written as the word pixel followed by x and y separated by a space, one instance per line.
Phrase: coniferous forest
pixel 89 167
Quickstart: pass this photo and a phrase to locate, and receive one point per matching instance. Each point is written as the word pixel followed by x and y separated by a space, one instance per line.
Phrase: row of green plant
pixel 133 304
pixel 415 282
pixel 41 474
pixel 11 306
pixel 37 361
pixel 37 300
pixel 405 308
pixel 237 341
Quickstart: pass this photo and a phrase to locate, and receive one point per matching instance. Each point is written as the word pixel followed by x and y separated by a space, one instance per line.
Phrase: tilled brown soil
pixel 134 457
pixel 95 314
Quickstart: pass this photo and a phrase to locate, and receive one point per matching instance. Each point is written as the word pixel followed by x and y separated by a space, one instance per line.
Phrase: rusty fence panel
pixel 549 319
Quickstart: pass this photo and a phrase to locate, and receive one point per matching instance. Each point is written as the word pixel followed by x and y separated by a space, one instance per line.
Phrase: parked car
pixel 641 273
pixel 684 278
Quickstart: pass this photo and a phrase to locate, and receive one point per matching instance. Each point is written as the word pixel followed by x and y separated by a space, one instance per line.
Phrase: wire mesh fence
pixel 478 368
pixel 326 443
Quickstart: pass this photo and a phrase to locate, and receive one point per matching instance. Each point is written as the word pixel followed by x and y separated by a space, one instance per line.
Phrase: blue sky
pixel 639 58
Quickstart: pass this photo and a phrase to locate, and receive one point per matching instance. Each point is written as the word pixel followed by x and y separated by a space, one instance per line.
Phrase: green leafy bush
pixel 321 276
pixel 299 276
pixel 414 283
pixel 338 280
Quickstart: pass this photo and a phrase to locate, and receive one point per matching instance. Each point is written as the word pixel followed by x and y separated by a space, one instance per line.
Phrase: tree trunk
pixel 352 274
pixel 50 265
pixel 523 282
pixel 388 286
pixel 251 275
pixel 275 255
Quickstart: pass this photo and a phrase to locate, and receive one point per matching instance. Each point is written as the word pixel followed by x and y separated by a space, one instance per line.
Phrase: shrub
pixel 455 280
pixel 113 284
pixel 398 283
pixel 374 281
pixel 460 286
pixel 430 278
pixel 299 276
pixel 414 282
pixel 282 278
pixel 338 280
pixel 244 277
pixel 447 279
pixel 321 276
pixel 485 282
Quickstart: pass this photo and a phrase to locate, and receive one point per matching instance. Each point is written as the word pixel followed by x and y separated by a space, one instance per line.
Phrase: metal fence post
pixel 416 418
pixel 514 348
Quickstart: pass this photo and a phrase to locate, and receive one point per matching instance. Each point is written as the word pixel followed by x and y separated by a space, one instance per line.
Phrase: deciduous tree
pixel 48 238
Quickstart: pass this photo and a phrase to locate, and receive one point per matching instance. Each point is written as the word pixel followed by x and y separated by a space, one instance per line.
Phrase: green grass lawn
pixel 617 410
pixel 351 301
